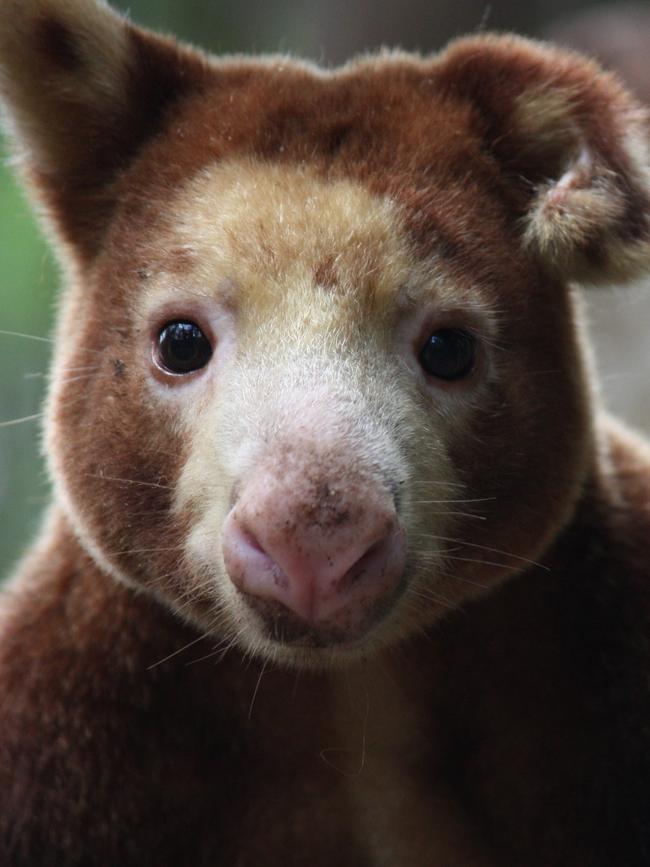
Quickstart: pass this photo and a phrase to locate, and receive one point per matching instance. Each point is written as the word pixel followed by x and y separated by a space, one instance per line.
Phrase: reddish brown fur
pixel 58 43
pixel 121 739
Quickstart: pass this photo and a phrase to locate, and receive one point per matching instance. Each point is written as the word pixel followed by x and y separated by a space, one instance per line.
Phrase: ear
pixel 82 91
pixel 572 148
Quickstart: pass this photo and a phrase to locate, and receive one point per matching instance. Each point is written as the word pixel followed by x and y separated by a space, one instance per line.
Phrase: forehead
pixel 388 124
pixel 278 174
pixel 253 229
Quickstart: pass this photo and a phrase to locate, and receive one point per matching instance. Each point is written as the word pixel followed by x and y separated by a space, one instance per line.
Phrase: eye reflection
pixel 182 347
pixel 448 354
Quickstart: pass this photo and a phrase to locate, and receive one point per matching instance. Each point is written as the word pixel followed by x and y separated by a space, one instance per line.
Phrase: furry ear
pixel 573 150
pixel 82 90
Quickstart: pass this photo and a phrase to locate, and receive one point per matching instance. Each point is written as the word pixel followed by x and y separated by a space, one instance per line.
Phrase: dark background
pixel 330 32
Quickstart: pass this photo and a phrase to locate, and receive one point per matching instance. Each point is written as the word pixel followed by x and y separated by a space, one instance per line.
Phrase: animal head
pixel 319 375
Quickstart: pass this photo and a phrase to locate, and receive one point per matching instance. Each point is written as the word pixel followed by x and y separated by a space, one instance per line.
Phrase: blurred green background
pixel 618 33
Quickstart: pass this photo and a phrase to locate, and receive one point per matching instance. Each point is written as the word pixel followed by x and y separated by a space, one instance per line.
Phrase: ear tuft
pixel 568 216
pixel 573 146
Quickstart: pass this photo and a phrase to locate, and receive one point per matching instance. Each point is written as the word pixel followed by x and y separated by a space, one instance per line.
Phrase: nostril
pixel 250 540
pixel 250 566
pixel 357 571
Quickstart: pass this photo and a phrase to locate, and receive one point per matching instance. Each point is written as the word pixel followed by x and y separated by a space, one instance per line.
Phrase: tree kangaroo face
pixel 319 378
pixel 299 421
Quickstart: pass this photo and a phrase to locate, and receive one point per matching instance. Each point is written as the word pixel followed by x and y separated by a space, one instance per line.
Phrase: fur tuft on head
pixel 573 147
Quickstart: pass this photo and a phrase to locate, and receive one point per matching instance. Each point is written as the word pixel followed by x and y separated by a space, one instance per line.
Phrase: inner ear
pixel 569 216
pixel 59 44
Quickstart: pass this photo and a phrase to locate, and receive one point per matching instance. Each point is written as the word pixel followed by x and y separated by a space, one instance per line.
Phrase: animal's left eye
pixel 448 354
pixel 183 347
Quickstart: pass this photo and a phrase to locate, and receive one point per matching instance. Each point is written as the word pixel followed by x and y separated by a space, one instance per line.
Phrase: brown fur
pixel 144 719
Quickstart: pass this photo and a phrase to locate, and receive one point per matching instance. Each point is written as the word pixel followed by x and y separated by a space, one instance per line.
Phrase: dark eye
pixel 183 347
pixel 448 354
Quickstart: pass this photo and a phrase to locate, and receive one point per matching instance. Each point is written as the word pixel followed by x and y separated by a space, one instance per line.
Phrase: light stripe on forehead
pixel 269 227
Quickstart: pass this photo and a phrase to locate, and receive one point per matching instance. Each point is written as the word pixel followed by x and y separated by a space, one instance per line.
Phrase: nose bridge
pixel 323 441
pixel 314 385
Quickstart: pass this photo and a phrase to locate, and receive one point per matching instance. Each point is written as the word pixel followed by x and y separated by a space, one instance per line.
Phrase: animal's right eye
pixel 182 348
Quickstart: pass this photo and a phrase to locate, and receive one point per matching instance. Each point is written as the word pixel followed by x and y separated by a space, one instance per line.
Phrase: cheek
pixel 116 459
pixel 522 461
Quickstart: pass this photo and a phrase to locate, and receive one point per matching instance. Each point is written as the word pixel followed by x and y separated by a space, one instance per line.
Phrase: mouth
pixel 284 628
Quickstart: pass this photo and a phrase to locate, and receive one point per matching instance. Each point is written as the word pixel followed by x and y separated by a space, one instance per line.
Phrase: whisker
pixel 141 512
pixel 146 550
pixel 456 514
pixel 79 367
pixel 176 652
pixel 257 686
pixel 15 421
pixel 436 482
pixel 481 562
pixel 364 734
pixel 215 650
pixel 227 650
pixel 432 596
pixel 129 481
pixel 463 543
pixel 40 339
pixel 472 500
pixel 90 349
pixel 463 580
pixel 26 336
pixel 327 751
pixel 75 378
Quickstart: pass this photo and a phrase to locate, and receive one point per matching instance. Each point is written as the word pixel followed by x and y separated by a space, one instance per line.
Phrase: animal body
pixel 344 563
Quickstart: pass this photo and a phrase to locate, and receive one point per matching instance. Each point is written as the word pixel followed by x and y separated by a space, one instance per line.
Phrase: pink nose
pixel 325 556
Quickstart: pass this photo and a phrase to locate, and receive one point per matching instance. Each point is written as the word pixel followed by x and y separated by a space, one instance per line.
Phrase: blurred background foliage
pixel 328 31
